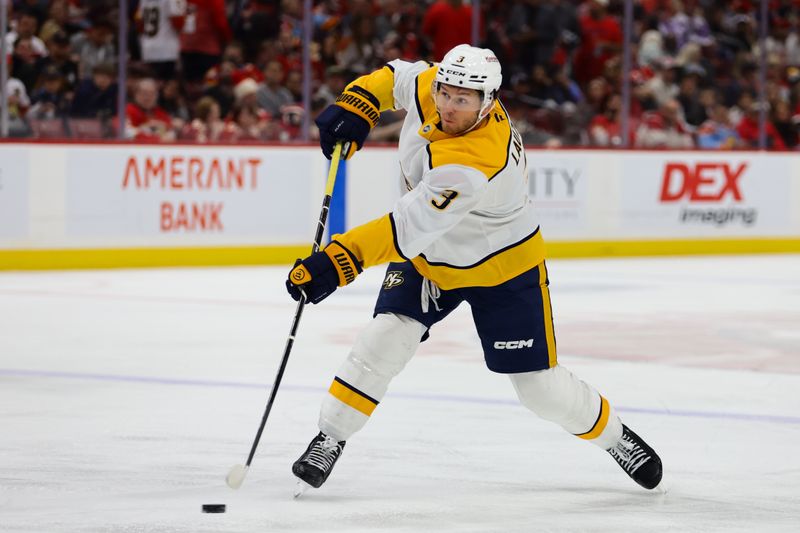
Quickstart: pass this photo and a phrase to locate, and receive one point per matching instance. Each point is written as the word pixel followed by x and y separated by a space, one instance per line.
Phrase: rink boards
pixel 116 205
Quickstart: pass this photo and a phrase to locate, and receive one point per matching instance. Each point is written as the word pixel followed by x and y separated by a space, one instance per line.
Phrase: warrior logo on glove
pixel 300 274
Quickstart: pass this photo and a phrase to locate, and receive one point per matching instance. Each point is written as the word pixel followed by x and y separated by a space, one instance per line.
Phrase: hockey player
pixel 464 230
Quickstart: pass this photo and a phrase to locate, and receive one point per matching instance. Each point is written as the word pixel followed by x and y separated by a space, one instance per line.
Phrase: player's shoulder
pixel 485 148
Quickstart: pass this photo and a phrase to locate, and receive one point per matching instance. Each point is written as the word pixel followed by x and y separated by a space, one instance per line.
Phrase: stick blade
pixel 236 476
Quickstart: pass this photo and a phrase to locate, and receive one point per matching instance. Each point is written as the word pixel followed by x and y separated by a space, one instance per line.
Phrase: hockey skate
pixel 637 459
pixel 316 463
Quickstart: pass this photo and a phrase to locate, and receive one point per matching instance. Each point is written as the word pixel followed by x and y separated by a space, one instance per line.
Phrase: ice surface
pixel 126 395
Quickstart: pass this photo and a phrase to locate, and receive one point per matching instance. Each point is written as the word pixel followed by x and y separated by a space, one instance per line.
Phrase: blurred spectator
pixel 18 102
pixel 26 27
pixel 291 123
pixel 561 58
pixel 792 45
pixel 784 125
pixel 680 28
pixel 601 39
pixel 651 49
pixel 59 58
pixel 748 126
pixel 204 35
pixel 336 79
pixel 294 84
pixel 159 23
pixel 716 133
pixel 146 121
pixel 606 128
pixel 25 63
pixel 57 21
pixel 246 123
pixel 689 95
pixel 272 95
pixel 94 46
pixel 663 128
pixel 37 8
pixel 662 87
pixel 49 100
pixel 245 92
pixel 362 49
pixel 207 125
pixel 447 23
pixel 136 72
pixel 260 21
pixel 595 102
pixel 96 97
pixel 221 86
pixel 173 102
pixel 546 30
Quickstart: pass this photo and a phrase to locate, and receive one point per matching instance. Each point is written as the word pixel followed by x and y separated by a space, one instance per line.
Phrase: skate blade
pixel 301 488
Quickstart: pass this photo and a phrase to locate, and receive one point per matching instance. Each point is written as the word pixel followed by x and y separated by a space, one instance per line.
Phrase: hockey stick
pixel 237 473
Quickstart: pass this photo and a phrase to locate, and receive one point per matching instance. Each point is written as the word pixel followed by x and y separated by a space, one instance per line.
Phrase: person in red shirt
pixel 748 129
pixel 205 33
pixel 447 23
pixel 145 120
pixel 601 39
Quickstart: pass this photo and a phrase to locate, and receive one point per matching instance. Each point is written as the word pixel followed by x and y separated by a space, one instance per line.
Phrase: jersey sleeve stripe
pixel 508 145
pixel 394 238
pixel 366 94
pixel 416 101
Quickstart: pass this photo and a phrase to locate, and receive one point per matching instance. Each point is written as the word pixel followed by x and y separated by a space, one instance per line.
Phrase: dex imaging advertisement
pixel 705 195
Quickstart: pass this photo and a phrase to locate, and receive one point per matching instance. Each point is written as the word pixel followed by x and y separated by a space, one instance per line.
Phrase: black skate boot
pixel 637 459
pixel 315 465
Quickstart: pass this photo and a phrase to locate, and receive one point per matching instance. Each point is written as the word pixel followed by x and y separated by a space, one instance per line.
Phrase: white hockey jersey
pixel 466 219
pixel 159 39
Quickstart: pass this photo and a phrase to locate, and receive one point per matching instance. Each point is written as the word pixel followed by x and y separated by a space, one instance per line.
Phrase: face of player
pixel 458 107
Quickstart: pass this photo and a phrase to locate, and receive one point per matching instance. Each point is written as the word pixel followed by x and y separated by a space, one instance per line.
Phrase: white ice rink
pixel 125 396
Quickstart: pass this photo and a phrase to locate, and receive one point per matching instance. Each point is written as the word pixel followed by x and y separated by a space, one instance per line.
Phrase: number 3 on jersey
pixel 447 196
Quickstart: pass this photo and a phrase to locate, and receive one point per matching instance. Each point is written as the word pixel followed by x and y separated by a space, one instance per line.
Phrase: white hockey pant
pixel 380 352
pixel 557 395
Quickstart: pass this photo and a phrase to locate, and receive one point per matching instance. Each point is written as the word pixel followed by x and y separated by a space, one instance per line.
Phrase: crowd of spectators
pixel 230 71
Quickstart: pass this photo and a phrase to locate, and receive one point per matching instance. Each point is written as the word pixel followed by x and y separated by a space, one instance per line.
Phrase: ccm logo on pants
pixel 513 345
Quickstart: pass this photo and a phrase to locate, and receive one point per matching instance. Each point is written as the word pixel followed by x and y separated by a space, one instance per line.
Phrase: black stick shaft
pixel 323 219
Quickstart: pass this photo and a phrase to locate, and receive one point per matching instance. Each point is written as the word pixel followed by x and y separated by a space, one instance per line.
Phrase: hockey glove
pixel 349 120
pixel 319 274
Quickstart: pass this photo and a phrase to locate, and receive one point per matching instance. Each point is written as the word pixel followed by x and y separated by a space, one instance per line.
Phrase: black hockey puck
pixel 213 507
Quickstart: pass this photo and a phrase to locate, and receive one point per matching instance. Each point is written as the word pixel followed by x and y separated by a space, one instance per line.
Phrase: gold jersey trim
pixel 494 269
pixel 379 84
pixel 485 148
pixel 373 243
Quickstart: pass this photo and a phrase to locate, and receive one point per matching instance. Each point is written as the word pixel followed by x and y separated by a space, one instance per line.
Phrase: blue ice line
pixel 13 372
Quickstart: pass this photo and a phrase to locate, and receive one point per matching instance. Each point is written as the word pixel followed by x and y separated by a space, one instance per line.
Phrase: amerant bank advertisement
pixel 705 195
pixel 188 194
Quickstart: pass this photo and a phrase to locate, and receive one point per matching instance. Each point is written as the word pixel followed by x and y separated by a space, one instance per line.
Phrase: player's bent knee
pixel 545 392
pixel 387 343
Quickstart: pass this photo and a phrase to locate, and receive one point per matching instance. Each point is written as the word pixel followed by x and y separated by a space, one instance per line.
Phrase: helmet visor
pixel 449 97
